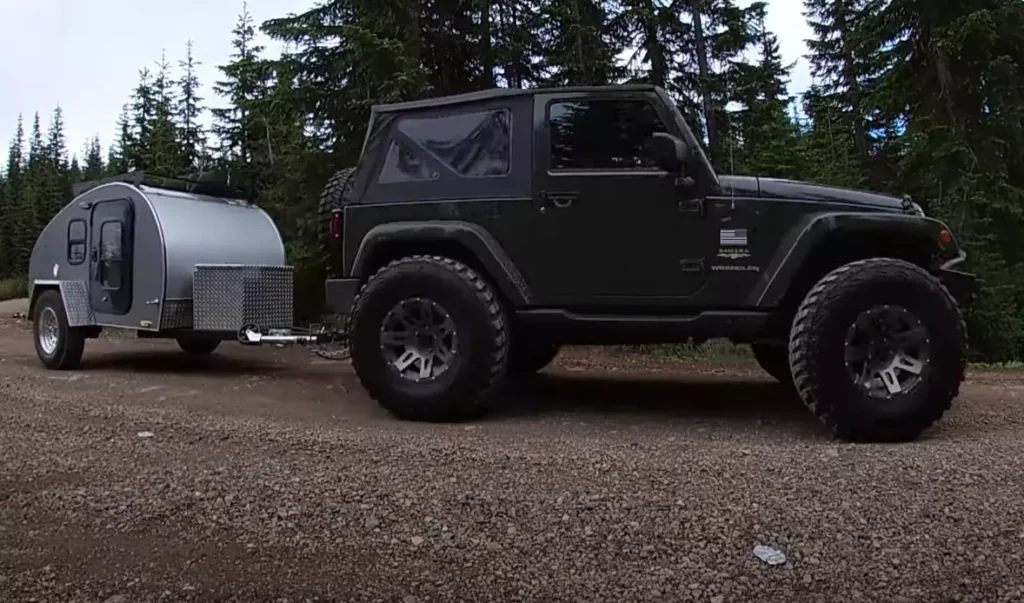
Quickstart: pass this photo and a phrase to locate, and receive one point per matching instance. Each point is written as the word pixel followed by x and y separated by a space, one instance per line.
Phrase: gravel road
pixel 270 476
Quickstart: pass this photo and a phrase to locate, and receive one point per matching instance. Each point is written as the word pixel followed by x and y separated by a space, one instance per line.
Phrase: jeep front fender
pixel 472 237
pixel 884 229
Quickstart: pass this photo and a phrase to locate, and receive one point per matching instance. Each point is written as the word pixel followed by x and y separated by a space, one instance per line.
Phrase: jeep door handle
pixel 561 200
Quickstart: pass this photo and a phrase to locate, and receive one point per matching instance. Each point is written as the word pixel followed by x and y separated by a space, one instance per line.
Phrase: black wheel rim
pixel 888 351
pixel 418 339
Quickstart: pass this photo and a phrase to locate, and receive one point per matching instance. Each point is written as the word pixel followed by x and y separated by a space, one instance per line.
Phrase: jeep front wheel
pixel 429 339
pixel 877 350
pixel 773 359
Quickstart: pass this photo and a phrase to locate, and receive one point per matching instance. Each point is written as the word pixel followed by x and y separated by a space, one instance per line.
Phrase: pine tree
pixel 189 113
pixel 767 138
pixel 954 79
pixel 57 187
pixel 334 45
pixel 161 148
pixel 845 60
pixel 580 44
pixel 141 116
pixel 120 157
pixel 93 153
pixel 12 221
pixel 244 80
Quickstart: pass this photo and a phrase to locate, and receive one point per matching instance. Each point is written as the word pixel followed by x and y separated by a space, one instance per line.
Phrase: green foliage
pixel 910 96
pixel 13 288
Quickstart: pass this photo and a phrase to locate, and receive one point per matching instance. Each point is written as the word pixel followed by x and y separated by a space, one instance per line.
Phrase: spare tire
pixel 334 196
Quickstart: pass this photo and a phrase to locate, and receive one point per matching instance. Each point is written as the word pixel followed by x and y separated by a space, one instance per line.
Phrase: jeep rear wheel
pixel 429 339
pixel 774 359
pixel 878 350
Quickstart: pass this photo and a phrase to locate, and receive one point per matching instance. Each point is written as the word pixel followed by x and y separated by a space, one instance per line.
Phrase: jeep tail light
pixel 336 224
pixel 945 237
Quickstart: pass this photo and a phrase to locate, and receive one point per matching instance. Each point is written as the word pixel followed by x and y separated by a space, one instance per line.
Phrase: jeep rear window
pixel 602 134
pixel 474 145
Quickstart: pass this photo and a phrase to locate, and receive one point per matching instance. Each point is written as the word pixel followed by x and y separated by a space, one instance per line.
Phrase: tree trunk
pixel 486 49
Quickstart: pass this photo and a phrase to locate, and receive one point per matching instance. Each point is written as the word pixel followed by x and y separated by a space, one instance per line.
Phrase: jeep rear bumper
pixel 963 286
pixel 340 293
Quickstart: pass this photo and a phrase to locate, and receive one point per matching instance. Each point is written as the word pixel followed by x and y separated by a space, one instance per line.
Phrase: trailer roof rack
pixel 212 184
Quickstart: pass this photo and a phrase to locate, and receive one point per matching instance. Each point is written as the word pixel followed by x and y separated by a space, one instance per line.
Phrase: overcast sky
pixel 85 55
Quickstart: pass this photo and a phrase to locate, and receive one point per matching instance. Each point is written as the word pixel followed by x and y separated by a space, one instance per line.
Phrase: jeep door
pixel 614 228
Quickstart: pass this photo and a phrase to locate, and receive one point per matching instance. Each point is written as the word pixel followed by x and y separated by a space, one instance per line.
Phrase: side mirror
pixel 668 152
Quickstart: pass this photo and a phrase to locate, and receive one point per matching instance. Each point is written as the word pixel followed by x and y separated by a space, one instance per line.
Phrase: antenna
pixel 732 141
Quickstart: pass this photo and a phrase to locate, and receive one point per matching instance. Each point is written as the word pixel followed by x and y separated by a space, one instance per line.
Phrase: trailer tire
pixel 58 345
pixel 195 346
pixel 774 360
pixel 457 335
pixel 332 197
pixel 850 326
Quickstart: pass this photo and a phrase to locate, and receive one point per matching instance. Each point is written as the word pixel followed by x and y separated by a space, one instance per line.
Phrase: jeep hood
pixel 776 188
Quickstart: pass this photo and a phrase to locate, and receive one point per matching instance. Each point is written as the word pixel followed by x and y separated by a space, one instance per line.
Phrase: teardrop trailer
pixel 479 233
pixel 183 259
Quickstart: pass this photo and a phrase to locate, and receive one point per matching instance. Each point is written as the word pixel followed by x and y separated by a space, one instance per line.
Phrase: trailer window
pixel 77 233
pixel 111 253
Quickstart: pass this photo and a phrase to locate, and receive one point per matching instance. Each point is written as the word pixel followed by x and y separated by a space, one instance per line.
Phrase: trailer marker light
pixel 945 237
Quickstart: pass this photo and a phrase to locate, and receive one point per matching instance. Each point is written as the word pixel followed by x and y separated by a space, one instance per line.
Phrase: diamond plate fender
pixel 75 295
pixel 76 303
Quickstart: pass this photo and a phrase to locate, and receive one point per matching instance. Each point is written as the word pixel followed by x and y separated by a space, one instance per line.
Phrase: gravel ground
pixel 270 476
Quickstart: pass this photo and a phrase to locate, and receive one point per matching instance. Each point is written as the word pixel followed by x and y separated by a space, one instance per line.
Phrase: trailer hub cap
pixel 49 331
pixel 887 351
pixel 418 339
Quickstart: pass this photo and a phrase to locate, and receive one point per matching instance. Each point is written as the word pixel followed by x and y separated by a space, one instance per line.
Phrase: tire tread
pixel 808 323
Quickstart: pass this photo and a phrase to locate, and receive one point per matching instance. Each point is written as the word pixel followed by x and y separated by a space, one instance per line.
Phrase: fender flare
pixel 797 246
pixel 75 295
pixel 473 237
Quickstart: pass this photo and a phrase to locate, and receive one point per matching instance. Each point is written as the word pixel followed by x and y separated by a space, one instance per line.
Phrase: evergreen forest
pixel 919 97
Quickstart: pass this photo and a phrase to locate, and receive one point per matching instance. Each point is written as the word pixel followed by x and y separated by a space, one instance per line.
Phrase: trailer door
pixel 112 226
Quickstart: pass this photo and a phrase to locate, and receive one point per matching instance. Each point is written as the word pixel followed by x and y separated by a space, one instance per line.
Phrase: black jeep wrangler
pixel 480 232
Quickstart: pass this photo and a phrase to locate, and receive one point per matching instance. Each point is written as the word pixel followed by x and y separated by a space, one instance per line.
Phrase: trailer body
pixel 163 261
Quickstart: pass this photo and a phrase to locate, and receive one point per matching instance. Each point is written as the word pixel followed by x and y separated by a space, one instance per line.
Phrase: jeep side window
pixel 474 145
pixel 401 165
pixel 602 134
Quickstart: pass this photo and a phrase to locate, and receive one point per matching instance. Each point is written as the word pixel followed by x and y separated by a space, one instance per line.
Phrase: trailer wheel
pixel 58 345
pixel 878 350
pixel 198 346
pixel 429 339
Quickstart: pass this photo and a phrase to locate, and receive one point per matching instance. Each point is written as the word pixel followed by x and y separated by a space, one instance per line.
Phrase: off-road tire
pixel 195 346
pixel 817 348
pixel 527 356
pixel 70 346
pixel 480 322
pixel 774 360
pixel 332 197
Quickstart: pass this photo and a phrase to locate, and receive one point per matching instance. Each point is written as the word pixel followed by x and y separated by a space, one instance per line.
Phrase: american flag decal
pixel 732 238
